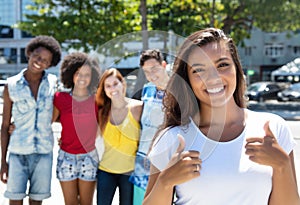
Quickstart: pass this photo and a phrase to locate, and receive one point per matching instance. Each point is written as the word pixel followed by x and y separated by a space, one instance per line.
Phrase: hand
pixel 11 128
pixel 4 172
pixel 266 150
pixel 59 141
pixel 183 166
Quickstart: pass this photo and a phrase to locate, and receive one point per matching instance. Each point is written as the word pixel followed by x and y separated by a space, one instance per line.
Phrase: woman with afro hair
pixel 77 160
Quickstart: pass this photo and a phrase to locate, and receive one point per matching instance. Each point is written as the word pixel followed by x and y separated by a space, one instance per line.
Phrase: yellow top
pixel 121 144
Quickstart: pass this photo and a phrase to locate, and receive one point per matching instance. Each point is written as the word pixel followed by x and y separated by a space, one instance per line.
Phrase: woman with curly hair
pixel 77 160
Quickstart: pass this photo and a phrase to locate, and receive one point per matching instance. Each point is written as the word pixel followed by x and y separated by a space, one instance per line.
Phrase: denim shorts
pixel 35 168
pixel 77 166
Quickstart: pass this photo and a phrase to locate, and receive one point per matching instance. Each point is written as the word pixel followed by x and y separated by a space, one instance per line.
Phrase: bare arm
pixel 157 192
pixel 284 181
pixel 267 151
pixel 55 114
pixel 181 168
pixel 136 109
pixel 6 118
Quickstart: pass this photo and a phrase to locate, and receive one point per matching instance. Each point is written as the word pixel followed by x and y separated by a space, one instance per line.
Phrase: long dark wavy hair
pixel 180 103
pixel 102 100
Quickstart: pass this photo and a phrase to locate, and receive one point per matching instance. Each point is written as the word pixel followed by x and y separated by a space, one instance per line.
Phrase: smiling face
pixel 82 78
pixel 155 71
pixel 212 74
pixel 113 87
pixel 39 60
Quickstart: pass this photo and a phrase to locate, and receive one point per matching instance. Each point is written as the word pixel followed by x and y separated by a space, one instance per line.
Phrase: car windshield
pixel 256 87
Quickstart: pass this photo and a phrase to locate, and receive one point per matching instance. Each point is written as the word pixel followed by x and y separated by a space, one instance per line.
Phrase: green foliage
pixel 182 17
pixel 239 16
pixel 235 17
pixel 281 15
pixel 89 24
pixel 81 23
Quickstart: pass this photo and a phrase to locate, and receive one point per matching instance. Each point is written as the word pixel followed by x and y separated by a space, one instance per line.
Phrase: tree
pixel 89 24
pixel 143 13
pixel 238 17
pixel 235 17
pixel 141 75
pixel 81 24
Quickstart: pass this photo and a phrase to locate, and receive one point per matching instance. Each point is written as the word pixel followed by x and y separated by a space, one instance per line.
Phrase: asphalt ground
pixel 287 110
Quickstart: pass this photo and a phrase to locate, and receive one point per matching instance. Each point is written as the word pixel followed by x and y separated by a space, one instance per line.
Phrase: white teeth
pixel 215 90
pixel 36 65
pixel 154 79
pixel 114 93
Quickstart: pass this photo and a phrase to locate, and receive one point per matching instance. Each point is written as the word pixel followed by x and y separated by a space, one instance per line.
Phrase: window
pixel 6 32
pixel 248 51
pixel 8 55
pixel 26 34
pixel 23 56
pixel 296 50
pixel 274 50
pixel 272 87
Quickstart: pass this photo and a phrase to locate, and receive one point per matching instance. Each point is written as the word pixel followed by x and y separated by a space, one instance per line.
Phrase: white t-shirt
pixel 227 174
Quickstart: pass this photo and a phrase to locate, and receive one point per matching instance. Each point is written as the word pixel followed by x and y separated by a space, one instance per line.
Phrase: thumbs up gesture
pixel 266 150
pixel 183 166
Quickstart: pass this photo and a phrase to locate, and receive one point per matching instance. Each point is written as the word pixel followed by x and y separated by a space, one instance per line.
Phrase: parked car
pixel 292 93
pixel 261 91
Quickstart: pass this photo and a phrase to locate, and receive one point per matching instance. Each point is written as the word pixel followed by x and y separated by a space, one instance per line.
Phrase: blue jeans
pixel 35 168
pixel 106 187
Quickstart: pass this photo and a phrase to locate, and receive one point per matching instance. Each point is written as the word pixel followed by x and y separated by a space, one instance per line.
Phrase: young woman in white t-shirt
pixel 212 150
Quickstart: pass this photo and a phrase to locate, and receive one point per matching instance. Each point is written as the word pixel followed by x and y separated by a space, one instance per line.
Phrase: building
pixel 13 41
pixel 266 52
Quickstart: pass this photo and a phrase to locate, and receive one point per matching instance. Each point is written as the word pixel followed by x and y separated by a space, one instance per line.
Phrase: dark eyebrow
pixel 217 61
pixel 197 64
pixel 221 59
pixel 151 68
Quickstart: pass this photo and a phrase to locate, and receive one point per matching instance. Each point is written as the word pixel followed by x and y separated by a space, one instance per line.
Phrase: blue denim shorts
pixel 35 168
pixel 77 166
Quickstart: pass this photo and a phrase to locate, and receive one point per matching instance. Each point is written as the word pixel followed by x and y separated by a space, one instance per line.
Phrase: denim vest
pixel 32 118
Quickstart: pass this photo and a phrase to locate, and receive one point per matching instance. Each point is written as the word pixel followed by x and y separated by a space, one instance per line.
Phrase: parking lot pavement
pixel 287 110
